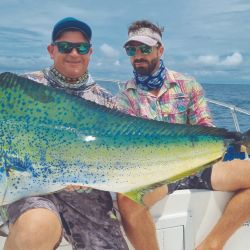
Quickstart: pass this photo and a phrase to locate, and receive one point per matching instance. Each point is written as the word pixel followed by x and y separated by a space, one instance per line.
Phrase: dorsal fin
pixel 45 104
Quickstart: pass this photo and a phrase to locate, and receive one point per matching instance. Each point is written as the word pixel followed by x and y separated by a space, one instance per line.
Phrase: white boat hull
pixel 184 219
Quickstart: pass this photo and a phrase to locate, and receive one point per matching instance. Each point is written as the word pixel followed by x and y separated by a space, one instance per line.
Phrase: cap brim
pixel 142 39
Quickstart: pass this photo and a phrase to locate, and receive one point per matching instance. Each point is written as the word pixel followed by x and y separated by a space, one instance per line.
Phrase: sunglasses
pixel 67 47
pixel 145 49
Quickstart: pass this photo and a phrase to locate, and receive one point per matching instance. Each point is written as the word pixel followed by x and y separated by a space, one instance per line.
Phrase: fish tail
pixel 246 140
pixel 135 195
pixel 138 194
pixel 241 141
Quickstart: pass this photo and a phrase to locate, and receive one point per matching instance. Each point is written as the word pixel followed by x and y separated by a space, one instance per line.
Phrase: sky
pixel 207 39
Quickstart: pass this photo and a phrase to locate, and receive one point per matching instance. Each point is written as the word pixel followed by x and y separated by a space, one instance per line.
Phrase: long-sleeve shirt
pixel 180 100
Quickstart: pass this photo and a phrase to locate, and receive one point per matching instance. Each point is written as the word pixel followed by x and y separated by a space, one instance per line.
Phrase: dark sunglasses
pixel 67 47
pixel 145 49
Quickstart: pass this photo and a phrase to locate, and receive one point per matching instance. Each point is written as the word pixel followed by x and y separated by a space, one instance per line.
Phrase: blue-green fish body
pixel 50 139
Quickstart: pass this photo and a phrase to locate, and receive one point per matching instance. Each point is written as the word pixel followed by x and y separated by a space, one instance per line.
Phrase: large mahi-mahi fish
pixel 49 139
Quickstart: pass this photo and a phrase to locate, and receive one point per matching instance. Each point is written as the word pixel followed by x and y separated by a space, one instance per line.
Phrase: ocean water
pixel 232 94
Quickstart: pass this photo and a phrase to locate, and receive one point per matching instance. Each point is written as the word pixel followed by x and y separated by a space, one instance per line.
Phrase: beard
pixel 149 67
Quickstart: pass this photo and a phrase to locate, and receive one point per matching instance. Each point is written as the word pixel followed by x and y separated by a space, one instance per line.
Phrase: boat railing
pixel 233 109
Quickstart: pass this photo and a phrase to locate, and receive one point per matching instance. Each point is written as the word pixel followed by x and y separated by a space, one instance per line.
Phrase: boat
pixel 184 218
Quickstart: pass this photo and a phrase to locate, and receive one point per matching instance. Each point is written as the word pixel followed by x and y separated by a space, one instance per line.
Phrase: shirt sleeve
pixel 100 96
pixel 37 76
pixel 198 110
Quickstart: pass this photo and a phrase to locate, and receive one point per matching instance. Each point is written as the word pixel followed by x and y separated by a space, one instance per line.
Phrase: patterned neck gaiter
pixel 151 82
pixel 57 80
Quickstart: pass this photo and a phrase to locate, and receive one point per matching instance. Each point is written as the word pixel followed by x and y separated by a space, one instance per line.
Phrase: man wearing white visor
pixel 155 92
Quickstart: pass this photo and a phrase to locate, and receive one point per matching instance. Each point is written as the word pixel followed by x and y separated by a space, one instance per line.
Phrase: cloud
pixel 214 60
pixel 208 59
pixel 109 51
pixel 17 64
pixel 99 64
pixel 211 27
pixel 117 63
pixel 234 60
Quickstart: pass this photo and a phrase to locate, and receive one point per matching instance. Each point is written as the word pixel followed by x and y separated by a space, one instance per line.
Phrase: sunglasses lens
pixel 67 47
pixel 64 47
pixel 130 50
pixel 145 49
pixel 83 48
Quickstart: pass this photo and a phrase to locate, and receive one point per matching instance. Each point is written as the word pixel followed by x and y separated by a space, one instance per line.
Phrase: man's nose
pixel 74 52
pixel 138 53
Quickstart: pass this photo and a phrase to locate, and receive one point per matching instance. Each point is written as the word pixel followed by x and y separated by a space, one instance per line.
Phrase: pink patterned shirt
pixel 180 100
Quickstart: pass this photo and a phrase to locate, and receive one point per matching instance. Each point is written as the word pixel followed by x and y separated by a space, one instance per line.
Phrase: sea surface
pixel 237 95
pixel 233 94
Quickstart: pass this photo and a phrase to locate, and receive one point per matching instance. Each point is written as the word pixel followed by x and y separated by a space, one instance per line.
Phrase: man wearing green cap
pixel 85 217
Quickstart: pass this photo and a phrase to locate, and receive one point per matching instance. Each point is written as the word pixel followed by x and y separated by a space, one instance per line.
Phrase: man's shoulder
pixel 185 81
pixel 37 76
pixel 127 85
pixel 178 76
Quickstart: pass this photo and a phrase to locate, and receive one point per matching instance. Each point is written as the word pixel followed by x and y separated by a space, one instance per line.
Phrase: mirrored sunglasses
pixel 67 47
pixel 145 49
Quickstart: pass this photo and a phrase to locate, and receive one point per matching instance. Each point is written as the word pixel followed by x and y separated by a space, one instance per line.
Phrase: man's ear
pixel 161 51
pixel 51 49
pixel 90 51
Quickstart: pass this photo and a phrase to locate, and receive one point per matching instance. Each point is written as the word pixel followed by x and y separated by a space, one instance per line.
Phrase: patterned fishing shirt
pixel 180 100
pixel 91 92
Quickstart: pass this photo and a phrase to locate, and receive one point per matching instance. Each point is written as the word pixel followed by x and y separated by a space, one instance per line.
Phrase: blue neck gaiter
pixel 151 82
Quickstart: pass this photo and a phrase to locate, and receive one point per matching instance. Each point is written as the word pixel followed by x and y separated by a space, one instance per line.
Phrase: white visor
pixel 144 35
